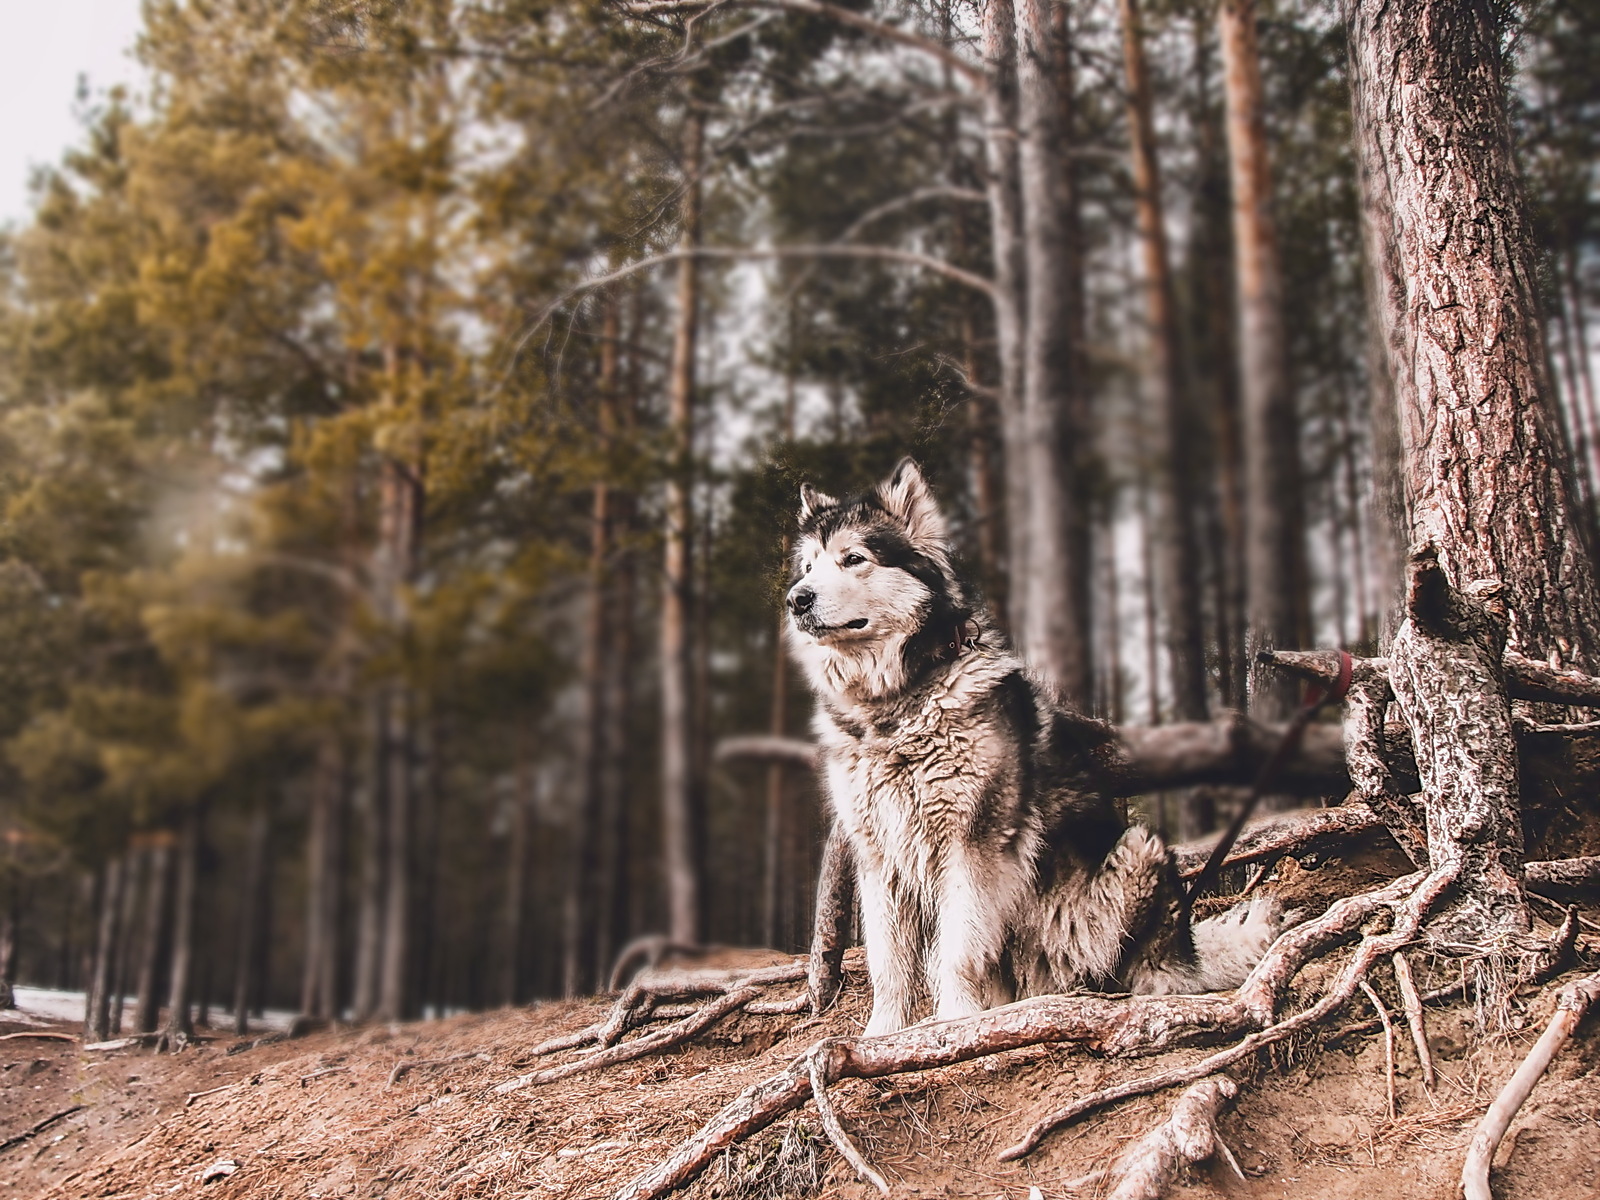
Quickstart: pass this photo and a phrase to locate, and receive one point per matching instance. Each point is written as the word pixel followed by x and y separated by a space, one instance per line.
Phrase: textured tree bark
pixel 1148 1168
pixel 1483 464
pixel 1168 394
pixel 1053 626
pixel 1445 669
pixel 681 866
pixel 179 1029
pixel 1366 757
pixel 1273 508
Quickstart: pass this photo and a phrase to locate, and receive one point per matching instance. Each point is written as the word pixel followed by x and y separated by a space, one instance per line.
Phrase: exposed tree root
pixel 40 1127
pixel 1152 1164
pixel 1388 1042
pixel 407 1065
pixel 642 999
pixel 1411 1005
pixel 1571 1004
pixel 1111 1025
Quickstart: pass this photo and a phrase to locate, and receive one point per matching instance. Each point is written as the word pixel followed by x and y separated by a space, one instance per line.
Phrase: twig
pixel 1571 1003
pixel 1388 1041
pixel 405 1066
pixel 1411 1004
pixel 819 1060
pixel 193 1096
pixel 305 1079
pixel 18 1139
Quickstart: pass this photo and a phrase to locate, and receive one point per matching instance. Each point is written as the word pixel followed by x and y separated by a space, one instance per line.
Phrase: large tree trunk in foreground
pixel 1274 550
pixel 1445 669
pixel 1053 629
pixel 1169 397
pixel 1484 467
pixel 679 803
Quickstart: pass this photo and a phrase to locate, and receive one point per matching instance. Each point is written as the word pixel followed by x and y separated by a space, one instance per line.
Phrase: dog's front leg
pixel 969 935
pixel 890 928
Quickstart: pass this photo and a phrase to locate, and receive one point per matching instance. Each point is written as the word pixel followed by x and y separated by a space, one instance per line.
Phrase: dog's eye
pixel 852 560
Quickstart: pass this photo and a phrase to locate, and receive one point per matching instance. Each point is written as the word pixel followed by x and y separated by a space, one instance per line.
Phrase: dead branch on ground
pixel 40 1127
pixel 1571 1003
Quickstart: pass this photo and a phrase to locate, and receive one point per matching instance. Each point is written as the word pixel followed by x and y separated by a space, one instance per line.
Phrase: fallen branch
pixel 1571 1003
pixel 307 1078
pixel 54 1037
pixel 1152 1164
pixel 18 1139
pixel 1526 678
pixel 1282 833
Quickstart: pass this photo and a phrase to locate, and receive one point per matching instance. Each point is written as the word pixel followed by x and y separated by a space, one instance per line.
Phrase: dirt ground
pixel 318 1116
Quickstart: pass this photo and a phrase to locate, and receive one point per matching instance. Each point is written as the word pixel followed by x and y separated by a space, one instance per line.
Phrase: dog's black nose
pixel 801 600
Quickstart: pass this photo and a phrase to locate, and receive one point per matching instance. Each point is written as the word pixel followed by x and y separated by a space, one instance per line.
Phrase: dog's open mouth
pixel 818 630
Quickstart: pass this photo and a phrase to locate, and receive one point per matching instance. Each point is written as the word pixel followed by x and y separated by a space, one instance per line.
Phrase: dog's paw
pixel 1228 946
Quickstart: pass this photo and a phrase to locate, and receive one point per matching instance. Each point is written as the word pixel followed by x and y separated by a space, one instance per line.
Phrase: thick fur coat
pixel 990 863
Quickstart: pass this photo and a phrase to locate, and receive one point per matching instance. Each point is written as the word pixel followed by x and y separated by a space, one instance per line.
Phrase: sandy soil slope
pixel 319 1116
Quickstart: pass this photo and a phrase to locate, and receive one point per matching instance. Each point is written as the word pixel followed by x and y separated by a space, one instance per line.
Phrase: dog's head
pixel 874 593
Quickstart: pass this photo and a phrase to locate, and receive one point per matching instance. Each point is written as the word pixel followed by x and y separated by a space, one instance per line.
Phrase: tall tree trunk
pixel 679 803
pixel 1169 394
pixel 179 1029
pixel 583 902
pixel 154 937
pixel 394 983
pixel 103 978
pixel 252 910
pixel 10 924
pixel 374 806
pixel 1274 504
pixel 1010 280
pixel 511 983
pixel 1053 630
pixel 1462 332
pixel 319 983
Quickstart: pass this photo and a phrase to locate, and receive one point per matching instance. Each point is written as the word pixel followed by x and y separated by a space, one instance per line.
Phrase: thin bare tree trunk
pixel 319 987
pixel 1052 631
pixel 98 1021
pixel 1010 277
pixel 10 922
pixel 252 908
pixel 153 939
pixel 517 889
pixel 1274 504
pixel 682 868
pixel 1463 336
pixel 373 805
pixel 1168 392
pixel 394 982
pixel 179 1029
pixel 581 967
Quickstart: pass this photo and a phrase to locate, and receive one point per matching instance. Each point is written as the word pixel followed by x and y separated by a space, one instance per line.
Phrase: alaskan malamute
pixel 990 864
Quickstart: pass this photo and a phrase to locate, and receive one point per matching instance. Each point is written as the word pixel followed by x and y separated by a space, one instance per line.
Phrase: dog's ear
pixel 906 497
pixel 813 501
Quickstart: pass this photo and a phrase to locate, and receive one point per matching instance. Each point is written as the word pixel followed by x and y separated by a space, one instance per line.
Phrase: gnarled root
pixel 1571 1003
pixel 1121 1025
pixel 1188 1136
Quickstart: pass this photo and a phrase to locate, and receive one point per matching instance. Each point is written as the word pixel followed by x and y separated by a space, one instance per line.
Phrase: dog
pixel 991 864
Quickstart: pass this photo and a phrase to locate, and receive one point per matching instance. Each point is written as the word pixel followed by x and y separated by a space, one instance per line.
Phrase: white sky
pixel 47 45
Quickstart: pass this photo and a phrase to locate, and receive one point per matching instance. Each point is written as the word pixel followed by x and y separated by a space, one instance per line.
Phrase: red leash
pixel 1316 701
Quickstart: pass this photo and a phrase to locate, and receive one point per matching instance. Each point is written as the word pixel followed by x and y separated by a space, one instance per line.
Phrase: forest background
pixel 403 409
